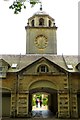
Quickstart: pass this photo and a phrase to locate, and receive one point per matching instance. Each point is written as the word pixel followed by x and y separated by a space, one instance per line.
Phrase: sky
pixel 13 33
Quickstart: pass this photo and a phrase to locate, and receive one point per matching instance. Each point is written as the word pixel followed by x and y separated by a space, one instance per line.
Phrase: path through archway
pixel 43 102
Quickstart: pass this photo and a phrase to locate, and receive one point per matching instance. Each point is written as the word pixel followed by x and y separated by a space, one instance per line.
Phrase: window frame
pixel 32 23
pixel 42 69
pixel 1 69
pixel 41 21
pixel 2 74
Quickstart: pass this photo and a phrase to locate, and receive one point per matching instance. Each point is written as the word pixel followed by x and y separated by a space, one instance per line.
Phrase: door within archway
pixel 43 102
pixel 6 102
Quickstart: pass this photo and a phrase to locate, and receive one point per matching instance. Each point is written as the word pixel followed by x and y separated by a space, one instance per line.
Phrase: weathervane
pixel 40 5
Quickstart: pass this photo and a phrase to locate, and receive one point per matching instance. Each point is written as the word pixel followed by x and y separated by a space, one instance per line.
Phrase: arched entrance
pixel 78 102
pixel 43 99
pixel 6 101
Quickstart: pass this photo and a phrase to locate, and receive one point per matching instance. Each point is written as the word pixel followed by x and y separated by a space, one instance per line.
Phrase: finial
pixel 40 5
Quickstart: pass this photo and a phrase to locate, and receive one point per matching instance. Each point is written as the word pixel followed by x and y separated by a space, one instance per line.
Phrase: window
pixel 49 23
pixel 42 69
pixel 41 21
pixel 2 74
pixel 70 67
pixel 14 65
pixel 1 68
pixel 32 22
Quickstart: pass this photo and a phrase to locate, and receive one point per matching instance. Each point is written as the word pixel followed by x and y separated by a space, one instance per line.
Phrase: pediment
pixel 51 68
pixel 3 63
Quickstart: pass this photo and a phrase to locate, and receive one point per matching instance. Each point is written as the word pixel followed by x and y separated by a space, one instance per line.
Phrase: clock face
pixel 41 42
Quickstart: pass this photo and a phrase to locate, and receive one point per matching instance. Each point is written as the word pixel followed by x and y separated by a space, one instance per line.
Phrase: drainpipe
pixel 70 92
pixel 16 91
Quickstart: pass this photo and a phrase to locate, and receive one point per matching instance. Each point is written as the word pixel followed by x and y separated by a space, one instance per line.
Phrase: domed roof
pixel 40 12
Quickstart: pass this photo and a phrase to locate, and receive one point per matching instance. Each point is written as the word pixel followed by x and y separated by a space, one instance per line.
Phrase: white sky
pixel 12 27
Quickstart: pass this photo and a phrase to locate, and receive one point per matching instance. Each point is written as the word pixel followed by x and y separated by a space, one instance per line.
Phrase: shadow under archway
pixel 78 102
pixel 52 106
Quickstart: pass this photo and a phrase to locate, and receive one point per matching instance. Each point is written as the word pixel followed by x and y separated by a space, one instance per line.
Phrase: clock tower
pixel 41 34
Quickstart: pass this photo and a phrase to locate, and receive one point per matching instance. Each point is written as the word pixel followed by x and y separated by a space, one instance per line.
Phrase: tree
pixel 19 4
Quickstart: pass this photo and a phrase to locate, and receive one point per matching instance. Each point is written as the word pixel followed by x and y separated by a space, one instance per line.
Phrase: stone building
pixel 40 70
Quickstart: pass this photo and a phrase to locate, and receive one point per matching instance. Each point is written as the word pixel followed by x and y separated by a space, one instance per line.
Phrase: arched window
pixel 43 69
pixel 49 23
pixel 32 22
pixel 41 21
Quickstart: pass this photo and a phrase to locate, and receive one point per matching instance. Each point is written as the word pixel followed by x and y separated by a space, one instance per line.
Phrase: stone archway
pixel 44 87
pixel 78 102
pixel 42 83
pixel 6 102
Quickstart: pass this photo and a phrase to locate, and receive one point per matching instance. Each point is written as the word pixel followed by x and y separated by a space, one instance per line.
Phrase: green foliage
pixel 33 2
pixel 34 102
pixel 45 101
pixel 19 4
pixel 39 96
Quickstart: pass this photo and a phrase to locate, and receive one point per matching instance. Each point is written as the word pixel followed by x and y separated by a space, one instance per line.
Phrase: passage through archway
pixel 39 101
pixel 43 102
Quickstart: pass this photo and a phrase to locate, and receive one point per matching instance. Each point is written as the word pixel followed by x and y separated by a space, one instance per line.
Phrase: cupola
pixel 41 34
pixel 41 19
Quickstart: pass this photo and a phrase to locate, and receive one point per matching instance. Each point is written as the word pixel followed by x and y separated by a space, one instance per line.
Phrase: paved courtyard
pixel 39 115
pixel 36 119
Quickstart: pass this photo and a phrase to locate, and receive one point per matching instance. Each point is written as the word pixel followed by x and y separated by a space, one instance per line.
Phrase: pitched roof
pixel 23 61
pixel 3 62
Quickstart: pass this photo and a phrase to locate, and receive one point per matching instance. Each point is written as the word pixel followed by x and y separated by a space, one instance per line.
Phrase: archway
pixel 44 92
pixel 78 101
pixel 6 101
